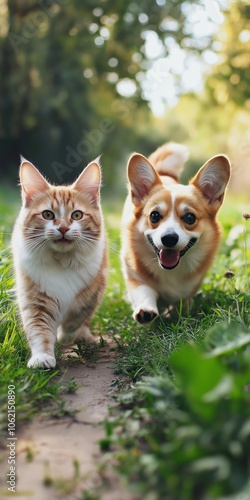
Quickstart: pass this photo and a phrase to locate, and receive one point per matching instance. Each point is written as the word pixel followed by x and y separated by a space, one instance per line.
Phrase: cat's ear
pixel 32 182
pixel 89 181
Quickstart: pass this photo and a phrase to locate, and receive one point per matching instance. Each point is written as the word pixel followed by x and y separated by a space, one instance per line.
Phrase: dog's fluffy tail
pixel 169 159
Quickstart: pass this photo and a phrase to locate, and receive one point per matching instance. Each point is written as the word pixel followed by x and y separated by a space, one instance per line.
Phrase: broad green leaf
pixel 225 337
pixel 223 388
pixel 219 464
pixel 245 431
pixel 196 376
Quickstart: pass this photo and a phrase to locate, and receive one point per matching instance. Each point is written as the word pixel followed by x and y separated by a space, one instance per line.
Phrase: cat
pixel 60 259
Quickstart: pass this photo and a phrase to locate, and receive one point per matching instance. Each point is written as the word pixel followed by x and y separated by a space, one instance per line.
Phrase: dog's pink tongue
pixel 169 258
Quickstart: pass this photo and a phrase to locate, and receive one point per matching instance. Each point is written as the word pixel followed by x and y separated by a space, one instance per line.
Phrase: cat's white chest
pixel 60 282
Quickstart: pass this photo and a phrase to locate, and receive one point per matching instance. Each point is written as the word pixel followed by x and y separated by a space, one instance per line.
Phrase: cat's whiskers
pixel 114 249
pixel 31 228
pixel 34 237
pixel 87 237
pixel 85 242
pixel 34 246
pixel 33 241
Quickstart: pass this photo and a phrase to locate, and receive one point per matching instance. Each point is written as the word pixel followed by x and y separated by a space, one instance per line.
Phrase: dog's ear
pixel 142 177
pixel 212 179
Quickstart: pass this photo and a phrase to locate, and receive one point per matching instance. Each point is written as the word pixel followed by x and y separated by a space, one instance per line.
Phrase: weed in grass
pixel 62 485
pixel 60 410
pixel 88 495
pixel 86 351
pixel 48 479
pixel 30 453
pixel 66 486
pixel 246 216
pixel 70 387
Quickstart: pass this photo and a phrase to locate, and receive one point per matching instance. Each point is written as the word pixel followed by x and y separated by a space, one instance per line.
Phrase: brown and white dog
pixel 170 234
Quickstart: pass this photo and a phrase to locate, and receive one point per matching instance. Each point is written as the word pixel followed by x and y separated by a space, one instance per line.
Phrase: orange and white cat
pixel 60 259
pixel 170 233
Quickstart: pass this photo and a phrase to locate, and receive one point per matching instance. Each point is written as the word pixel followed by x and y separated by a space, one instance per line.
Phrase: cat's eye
pixel 48 215
pixel 155 216
pixel 189 218
pixel 77 215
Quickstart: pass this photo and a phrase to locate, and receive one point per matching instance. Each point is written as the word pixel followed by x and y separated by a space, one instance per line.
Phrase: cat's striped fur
pixel 60 259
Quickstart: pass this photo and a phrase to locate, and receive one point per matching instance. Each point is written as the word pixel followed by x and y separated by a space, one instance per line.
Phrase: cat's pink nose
pixel 63 229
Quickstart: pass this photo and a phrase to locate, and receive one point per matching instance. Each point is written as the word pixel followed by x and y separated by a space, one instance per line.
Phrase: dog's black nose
pixel 169 240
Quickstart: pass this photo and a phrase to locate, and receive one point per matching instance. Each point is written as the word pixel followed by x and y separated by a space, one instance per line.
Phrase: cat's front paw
pixel 42 360
pixel 143 315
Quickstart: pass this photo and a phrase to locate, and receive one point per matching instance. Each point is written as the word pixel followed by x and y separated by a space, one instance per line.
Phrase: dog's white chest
pixel 174 284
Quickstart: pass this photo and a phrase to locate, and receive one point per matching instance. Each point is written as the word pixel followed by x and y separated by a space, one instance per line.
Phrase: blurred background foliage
pixel 80 79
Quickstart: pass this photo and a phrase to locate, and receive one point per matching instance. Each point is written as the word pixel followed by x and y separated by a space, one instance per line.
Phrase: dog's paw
pixel 144 316
pixel 42 360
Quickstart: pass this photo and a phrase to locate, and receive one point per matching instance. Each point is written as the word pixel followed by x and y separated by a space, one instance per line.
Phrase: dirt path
pixel 60 458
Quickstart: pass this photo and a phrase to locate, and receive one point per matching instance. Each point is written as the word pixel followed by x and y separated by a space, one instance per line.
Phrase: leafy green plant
pixel 88 351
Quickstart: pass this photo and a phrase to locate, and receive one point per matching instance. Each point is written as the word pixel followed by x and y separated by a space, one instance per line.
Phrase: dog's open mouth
pixel 169 258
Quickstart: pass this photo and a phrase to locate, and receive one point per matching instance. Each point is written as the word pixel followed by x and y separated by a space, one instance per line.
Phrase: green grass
pixel 9 206
pixel 181 429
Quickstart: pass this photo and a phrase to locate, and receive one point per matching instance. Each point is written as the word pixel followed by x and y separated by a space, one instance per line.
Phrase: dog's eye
pixel 155 216
pixel 189 218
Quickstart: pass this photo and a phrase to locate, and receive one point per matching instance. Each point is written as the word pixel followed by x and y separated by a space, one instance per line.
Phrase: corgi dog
pixel 170 234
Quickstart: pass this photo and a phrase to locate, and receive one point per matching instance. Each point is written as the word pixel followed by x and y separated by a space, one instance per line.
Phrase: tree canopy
pixel 72 76
pixel 61 62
